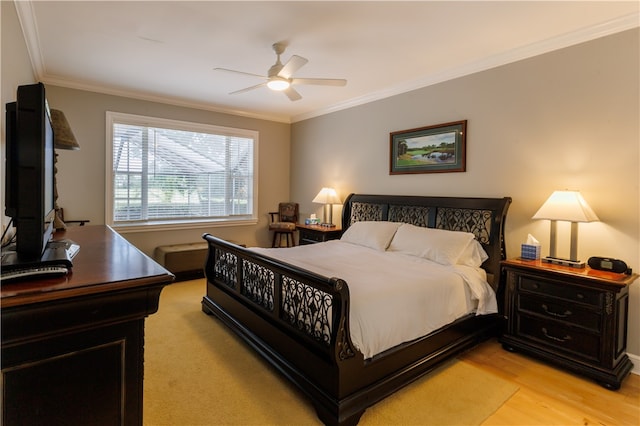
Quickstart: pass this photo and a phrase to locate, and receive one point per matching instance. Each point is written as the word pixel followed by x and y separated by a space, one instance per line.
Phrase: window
pixel 167 174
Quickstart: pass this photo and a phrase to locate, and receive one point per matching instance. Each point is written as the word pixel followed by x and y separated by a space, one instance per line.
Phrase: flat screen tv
pixel 29 190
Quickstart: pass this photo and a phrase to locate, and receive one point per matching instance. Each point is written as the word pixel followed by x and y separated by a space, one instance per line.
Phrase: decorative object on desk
pixel 567 206
pixel 433 149
pixel 63 138
pixel 608 264
pixel 328 197
pixel 67 222
pixel 283 223
pixel 531 249
pixel 312 220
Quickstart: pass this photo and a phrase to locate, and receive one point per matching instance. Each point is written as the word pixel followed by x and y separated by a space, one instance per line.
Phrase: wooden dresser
pixel 72 347
pixel 574 318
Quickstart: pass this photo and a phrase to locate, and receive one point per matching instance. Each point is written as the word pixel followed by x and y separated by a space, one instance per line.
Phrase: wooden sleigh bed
pixel 299 320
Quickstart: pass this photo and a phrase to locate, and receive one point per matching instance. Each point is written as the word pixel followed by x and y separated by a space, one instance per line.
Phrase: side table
pixel 573 318
pixel 311 234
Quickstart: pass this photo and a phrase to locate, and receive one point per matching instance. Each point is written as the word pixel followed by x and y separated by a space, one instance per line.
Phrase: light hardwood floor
pixel 551 396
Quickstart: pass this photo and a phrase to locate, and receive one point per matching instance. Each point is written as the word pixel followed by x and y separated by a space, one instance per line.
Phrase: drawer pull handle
pixel 557 339
pixel 565 314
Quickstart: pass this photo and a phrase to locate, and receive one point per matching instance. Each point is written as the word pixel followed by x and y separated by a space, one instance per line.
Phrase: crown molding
pixel 27 19
pixel 174 101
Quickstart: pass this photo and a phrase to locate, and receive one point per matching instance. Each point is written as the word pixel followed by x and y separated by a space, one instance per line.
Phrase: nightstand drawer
pixel 567 292
pixel 560 311
pixel 577 343
pixel 312 237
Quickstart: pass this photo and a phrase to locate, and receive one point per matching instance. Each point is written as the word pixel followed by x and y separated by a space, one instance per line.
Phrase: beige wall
pixel 566 119
pixel 16 66
pixel 15 69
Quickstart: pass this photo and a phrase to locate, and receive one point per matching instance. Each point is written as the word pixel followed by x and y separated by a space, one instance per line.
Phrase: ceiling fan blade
pixel 293 64
pixel 320 81
pixel 292 94
pixel 246 89
pixel 239 72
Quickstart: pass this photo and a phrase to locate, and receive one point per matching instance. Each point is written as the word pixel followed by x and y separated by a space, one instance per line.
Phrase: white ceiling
pixel 166 50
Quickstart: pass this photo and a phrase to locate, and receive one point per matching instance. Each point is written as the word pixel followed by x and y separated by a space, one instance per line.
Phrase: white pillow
pixel 441 246
pixel 474 255
pixel 372 234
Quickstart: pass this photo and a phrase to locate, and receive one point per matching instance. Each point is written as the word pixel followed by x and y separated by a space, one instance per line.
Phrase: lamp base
pixel 564 262
pixel 58 223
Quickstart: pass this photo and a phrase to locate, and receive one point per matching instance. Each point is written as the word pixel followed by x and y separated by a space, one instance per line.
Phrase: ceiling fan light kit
pixel 280 77
pixel 278 84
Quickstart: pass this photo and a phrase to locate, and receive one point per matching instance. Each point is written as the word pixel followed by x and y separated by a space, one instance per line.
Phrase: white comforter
pixel 395 298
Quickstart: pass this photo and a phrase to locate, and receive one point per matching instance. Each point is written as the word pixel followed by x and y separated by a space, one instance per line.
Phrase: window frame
pixel 174 224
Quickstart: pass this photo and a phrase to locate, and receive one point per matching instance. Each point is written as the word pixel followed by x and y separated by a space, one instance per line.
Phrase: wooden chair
pixel 283 223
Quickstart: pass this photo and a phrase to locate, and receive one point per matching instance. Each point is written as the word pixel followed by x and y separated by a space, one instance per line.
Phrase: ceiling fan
pixel 280 77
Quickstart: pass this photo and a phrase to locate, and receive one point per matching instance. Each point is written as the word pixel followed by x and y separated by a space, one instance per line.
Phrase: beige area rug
pixel 197 372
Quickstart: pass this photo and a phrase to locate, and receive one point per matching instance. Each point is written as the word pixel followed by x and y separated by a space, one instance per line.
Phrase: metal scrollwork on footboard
pixel 258 284
pixel 225 266
pixel 307 308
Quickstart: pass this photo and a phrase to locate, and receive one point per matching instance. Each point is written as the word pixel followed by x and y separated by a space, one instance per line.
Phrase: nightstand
pixel 311 234
pixel 573 318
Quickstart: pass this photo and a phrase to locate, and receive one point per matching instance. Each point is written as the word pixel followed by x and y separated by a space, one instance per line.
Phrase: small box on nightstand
pixel 530 251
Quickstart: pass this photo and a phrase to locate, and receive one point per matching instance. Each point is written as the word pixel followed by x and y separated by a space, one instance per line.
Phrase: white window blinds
pixel 175 171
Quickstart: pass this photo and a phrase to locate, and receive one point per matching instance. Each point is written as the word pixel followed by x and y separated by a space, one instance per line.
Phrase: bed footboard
pixel 297 320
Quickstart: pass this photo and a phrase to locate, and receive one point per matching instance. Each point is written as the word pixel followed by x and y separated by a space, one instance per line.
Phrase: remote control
pixel 36 272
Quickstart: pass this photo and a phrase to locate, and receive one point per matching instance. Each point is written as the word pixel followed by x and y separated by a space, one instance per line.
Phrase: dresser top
pixel 585 273
pixel 105 262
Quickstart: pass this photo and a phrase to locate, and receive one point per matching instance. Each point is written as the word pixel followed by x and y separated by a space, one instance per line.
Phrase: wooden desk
pixel 72 347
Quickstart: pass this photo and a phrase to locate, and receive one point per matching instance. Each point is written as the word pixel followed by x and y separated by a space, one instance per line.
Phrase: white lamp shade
pixel 568 206
pixel 327 196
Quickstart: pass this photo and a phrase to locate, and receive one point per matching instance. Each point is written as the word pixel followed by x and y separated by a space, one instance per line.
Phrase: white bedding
pixel 395 298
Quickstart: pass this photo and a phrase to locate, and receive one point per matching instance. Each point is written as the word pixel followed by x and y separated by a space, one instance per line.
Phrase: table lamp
pixel 328 197
pixel 63 138
pixel 571 207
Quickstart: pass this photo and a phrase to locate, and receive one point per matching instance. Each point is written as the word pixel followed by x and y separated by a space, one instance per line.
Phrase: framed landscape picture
pixel 432 149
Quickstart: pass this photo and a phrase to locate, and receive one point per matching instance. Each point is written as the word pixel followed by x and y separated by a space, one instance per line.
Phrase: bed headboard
pixel 483 217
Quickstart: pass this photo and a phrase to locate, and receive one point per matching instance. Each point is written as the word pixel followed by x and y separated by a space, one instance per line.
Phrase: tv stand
pixel 73 345
pixel 55 254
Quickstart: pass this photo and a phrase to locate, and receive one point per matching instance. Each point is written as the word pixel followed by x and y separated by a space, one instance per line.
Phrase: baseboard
pixel 635 359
